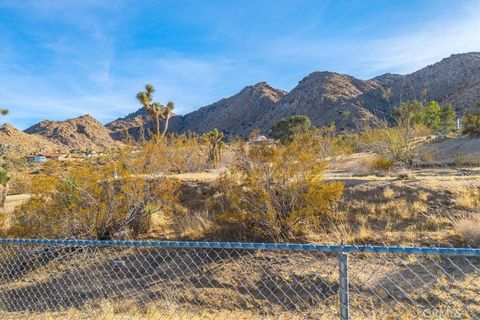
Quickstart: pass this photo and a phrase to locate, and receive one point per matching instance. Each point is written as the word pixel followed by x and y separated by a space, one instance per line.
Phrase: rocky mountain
pixel 139 126
pixel 235 115
pixel 454 80
pixel 325 97
pixel 82 133
pixel 16 143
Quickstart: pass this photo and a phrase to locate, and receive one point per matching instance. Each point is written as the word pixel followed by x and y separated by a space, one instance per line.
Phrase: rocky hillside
pixel 15 143
pixel 326 97
pixel 455 80
pixel 138 126
pixel 237 114
pixel 82 133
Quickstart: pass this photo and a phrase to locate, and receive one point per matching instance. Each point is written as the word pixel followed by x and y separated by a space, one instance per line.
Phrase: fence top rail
pixel 251 246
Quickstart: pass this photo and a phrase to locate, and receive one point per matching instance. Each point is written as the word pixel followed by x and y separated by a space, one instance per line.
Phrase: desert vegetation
pixel 391 183
pixel 274 193
pixel 306 184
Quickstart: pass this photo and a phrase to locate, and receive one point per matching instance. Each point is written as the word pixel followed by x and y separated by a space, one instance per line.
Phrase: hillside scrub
pixel 471 121
pixel 4 180
pixel 396 144
pixel 177 154
pixel 272 192
pixel 288 129
pixel 436 117
pixel 91 201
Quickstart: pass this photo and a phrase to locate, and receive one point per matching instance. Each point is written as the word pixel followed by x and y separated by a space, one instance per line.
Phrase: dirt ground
pixel 168 283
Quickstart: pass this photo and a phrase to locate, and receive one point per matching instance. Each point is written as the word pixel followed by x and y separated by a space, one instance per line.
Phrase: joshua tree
pixel 214 139
pixel 167 114
pixel 4 179
pixel 155 109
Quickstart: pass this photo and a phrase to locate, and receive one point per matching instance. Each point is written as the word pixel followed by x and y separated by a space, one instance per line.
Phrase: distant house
pixel 260 138
pixel 37 159
pixel 263 140
pixel 91 154
pixel 42 158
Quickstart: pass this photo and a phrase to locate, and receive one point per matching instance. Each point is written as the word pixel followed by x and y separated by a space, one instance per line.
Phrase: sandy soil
pixel 13 201
pixel 452 150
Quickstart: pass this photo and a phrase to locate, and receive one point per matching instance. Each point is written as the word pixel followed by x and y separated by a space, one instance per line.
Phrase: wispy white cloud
pixel 403 52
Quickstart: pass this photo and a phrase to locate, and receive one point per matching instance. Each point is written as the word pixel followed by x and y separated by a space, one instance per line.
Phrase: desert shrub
pixel 469 229
pixel 329 142
pixel 287 129
pixel 431 115
pixel 19 183
pixel 271 192
pixel 382 164
pixel 347 143
pixel 427 156
pixel 5 177
pixel 42 184
pixel 448 118
pixel 397 142
pixel 394 144
pixel 176 154
pixel 471 121
pixel 94 202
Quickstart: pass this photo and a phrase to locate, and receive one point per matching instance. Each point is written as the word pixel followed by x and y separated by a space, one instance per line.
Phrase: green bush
pixel 287 129
pixel 471 121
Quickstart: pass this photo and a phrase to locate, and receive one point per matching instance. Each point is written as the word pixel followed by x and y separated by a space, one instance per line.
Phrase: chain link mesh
pixel 60 280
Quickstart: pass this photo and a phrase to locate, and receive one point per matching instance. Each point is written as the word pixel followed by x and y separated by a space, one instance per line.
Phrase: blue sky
pixel 62 59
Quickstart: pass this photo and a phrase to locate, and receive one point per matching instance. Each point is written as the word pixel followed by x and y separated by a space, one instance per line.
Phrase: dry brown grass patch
pixel 469 229
pixel 423 196
pixel 388 193
pixel 468 197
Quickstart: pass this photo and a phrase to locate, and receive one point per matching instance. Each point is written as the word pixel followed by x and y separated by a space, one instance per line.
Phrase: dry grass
pixel 419 207
pixel 373 164
pixel 468 197
pixel 132 311
pixel 397 212
pixel 388 193
pixel 467 159
pixel 423 196
pixel 469 229
pixel 427 156
pixel 194 225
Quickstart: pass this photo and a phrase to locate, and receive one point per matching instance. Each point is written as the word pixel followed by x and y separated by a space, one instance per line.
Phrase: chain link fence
pixel 83 279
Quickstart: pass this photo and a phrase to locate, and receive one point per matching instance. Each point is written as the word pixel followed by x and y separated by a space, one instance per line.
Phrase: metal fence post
pixel 343 280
